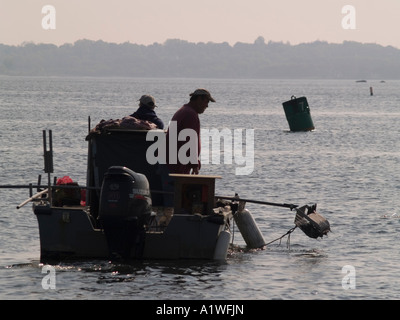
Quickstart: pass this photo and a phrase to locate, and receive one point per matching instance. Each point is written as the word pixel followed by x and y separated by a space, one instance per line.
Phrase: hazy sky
pixel 149 21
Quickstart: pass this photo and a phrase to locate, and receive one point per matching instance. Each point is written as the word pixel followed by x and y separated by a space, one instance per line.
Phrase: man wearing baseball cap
pixel 147 104
pixel 187 117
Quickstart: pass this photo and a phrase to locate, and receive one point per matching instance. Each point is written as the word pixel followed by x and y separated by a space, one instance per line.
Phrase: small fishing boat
pixel 126 212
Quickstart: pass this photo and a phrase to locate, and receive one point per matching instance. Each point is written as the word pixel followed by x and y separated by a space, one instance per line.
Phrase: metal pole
pixel 285 205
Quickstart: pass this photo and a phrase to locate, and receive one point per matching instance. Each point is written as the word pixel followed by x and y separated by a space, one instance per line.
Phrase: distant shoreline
pixel 182 59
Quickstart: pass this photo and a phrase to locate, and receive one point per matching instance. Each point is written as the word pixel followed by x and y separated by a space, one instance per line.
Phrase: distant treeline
pixel 179 58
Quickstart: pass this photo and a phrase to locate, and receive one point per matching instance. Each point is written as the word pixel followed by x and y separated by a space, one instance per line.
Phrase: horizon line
pixel 260 38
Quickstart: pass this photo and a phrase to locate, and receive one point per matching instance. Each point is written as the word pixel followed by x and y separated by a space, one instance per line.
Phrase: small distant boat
pixel 361 80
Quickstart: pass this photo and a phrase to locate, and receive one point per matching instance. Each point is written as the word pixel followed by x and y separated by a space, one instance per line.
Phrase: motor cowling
pixel 124 211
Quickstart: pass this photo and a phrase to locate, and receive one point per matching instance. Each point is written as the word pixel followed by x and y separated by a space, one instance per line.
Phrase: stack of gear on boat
pixel 144 118
pixel 128 122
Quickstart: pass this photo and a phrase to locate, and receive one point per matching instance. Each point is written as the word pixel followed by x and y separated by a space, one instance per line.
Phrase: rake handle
pixel 285 205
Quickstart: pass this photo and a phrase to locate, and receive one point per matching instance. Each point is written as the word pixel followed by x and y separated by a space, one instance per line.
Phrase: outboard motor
pixel 125 208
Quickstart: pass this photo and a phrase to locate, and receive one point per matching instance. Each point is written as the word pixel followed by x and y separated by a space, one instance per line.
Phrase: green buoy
pixel 298 114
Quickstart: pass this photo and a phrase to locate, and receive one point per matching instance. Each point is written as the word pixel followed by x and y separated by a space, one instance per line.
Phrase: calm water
pixel 349 165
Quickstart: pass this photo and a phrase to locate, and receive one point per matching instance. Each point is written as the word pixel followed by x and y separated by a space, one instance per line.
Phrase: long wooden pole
pixel 37 195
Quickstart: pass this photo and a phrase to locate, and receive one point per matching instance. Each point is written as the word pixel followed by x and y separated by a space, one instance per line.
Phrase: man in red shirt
pixel 187 117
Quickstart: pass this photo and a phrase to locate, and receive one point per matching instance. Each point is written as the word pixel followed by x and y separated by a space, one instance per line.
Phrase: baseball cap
pixel 148 100
pixel 202 92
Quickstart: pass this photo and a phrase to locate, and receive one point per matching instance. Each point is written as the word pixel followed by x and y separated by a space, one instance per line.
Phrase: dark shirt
pixel 144 113
pixel 186 118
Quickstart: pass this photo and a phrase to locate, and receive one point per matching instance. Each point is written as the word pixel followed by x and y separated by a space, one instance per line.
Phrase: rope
pixel 280 238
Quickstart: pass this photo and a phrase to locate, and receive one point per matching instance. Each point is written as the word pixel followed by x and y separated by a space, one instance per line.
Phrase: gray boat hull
pixel 68 233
